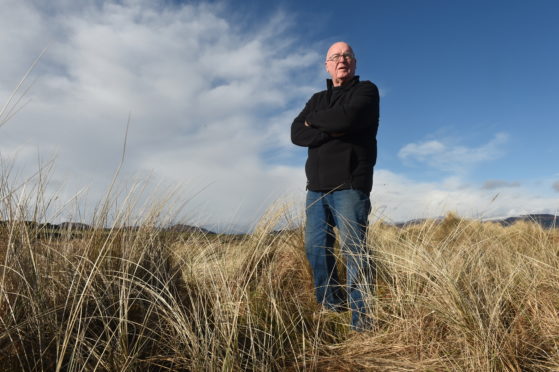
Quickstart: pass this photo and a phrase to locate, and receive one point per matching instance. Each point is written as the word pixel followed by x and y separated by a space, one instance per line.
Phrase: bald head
pixel 340 63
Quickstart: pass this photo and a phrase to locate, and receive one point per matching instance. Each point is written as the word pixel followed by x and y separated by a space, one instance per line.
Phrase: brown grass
pixel 451 295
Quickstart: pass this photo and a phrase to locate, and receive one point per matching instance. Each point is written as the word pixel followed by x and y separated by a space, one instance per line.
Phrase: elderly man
pixel 339 127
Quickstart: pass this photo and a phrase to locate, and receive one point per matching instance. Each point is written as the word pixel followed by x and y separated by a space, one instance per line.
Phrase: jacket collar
pixel 352 82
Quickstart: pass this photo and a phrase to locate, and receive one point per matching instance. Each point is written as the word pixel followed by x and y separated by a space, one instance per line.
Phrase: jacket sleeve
pixel 356 114
pixel 302 135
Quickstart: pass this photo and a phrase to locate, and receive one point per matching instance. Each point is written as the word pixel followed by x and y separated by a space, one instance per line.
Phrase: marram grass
pixel 451 295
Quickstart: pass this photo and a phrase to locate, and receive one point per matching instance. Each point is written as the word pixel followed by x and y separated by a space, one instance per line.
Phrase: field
pixel 450 295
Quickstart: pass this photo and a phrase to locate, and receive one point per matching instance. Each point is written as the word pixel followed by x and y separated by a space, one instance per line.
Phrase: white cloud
pixel 211 103
pixel 450 157
pixel 207 98
pixel 400 198
pixel 397 198
pixel 422 150
pixel 498 184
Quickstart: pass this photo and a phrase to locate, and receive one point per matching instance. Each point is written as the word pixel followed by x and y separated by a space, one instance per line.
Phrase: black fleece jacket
pixel 341 137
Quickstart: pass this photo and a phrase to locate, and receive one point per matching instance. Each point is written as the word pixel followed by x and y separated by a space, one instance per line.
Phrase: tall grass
pixel 451 295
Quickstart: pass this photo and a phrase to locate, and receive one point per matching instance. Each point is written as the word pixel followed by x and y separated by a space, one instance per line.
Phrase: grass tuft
pixel 451 294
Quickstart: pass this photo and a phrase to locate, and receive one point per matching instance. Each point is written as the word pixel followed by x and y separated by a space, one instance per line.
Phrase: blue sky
pixel 469 113
pixel 460 72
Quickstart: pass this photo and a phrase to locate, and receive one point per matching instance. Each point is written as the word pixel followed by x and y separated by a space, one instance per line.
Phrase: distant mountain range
pixel 547 221
pixel 188 228
pixel 78 226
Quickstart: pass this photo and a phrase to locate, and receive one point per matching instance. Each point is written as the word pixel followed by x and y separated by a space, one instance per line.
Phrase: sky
pixel 190 103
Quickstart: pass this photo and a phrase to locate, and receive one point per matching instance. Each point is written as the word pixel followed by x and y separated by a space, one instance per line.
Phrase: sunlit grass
pixel 128 294
pixel 452 295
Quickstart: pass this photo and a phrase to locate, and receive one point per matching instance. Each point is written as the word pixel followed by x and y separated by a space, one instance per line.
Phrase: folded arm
pixel 349 116
pixel 303 134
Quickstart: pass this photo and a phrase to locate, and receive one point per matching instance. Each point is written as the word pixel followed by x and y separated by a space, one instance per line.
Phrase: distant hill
pixel 73 226
pixel 547 221
pixel 188 229
pixel 415 221
pixel 78 226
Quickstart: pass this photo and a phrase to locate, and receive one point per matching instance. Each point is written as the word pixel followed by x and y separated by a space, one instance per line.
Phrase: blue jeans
pixel 348 210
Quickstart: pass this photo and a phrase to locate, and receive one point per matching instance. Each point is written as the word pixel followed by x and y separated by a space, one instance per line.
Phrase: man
pixel 339 127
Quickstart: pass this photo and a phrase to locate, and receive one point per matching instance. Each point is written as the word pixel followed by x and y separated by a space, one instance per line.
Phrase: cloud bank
pixel 397 198
pixel 497 184
pixel 449 157
pixel 210 101
pixel 455 191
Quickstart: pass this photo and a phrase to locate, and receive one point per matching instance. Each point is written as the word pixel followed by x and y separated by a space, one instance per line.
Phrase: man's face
pixel 340 63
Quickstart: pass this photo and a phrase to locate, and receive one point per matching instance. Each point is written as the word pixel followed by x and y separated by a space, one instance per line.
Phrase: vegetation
pixel 451 295
pixel 126 293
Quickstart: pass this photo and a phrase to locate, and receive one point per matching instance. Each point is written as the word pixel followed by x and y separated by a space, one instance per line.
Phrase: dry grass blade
pixel 451 295
pixel 13 104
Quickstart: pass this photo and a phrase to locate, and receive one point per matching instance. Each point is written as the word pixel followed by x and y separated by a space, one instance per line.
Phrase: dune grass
pixel 450 295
